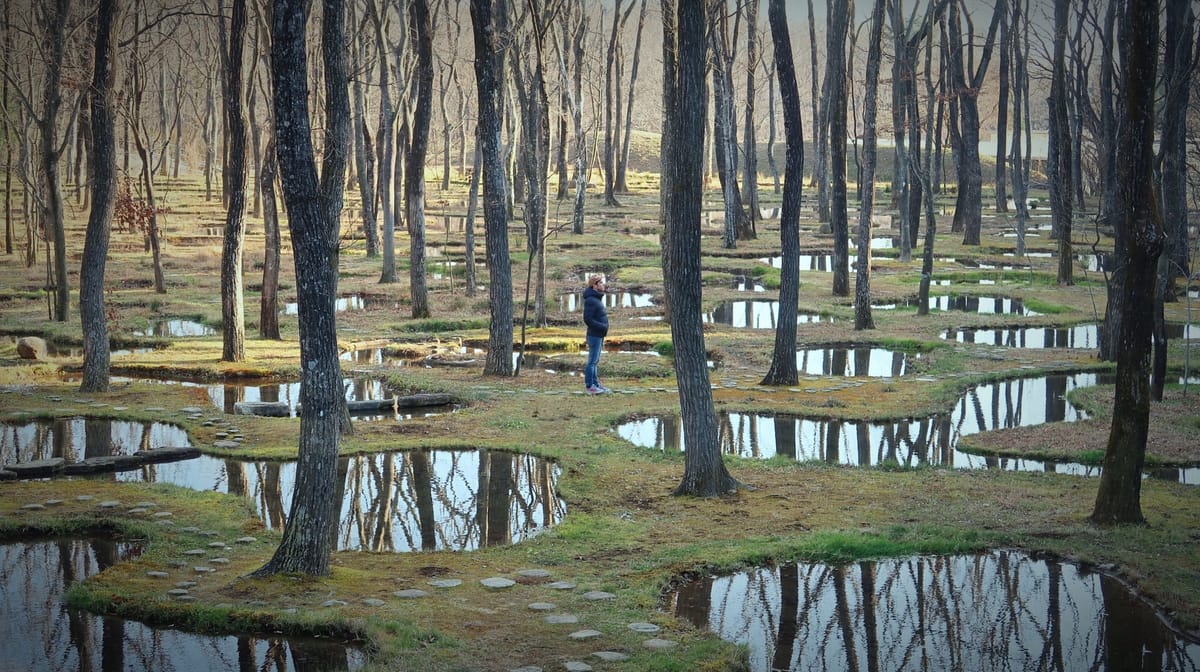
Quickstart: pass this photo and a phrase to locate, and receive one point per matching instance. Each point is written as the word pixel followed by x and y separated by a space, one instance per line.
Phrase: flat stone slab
pixel 561 585
pixel 533 573
pixel 581 635
pixel 597 595
pixel 611 656
pixel 410 594
pixel 157 575
pixel 497 583
pixel 333 603
pixel 542 606
pixel 659 644
pixel 445 583
pixel 561 619
pixel 646 628
pixel 374 602
pixel 576 666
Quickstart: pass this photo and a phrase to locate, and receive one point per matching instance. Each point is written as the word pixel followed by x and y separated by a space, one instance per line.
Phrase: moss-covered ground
pixel 624 532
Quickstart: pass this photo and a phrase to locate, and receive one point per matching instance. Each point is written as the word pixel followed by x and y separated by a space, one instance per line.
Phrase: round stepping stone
pixel 561 619
pixel 576 666
pixel 542 606
pixel 110 504
pixel 33 507
pixel 201 569
pixel 146 505
pixel 185 598
pixel 256 603
pixel 195 551
pixel 497 583
pixel 247 540
pixel 157 575
pixel 191 409
pixel 527 668
pixel 163 514
pixel 646 628
pixel 136 510
pixel 580 635
pixel 446 583
pixel 176 592
pixel 533 573
pixel 410 594
pixel 165 523
pixel 659 644
pixel 84 498
pixel 374 602
pixel 611 656
pixel 185 584
pixel 597 595
pixel 219 561
pixel 225 444
pixel 333 603
pixel 561 585
pixel 53 502
pixel 216 544
pixel 189 529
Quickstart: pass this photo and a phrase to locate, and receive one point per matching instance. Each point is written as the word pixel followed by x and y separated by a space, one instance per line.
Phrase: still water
pixel 855 361
pixel 1002 610
pixel 39 634
pixel 756 315
pixel 77 439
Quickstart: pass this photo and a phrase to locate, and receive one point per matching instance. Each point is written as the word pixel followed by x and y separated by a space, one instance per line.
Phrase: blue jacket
pixel 594 315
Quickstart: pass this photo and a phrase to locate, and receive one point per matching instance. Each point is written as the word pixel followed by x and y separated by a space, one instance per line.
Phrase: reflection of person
pixel 596 319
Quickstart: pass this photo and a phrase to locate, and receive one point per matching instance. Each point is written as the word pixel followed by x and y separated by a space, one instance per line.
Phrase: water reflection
pixel 1078 336
pixel 851 361
pixel 928 441
pixel 1001 610
pixel 39 633
pixel 226 396
pixel 808 262
pixel 176 329
pixel 77 439
pixel 966 303
pixel 756 315
pixel 404 501
pixel 573 302
pixel 351 302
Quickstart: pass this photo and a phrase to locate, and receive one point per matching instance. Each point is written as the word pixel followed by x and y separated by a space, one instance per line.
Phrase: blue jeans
pixel 590 374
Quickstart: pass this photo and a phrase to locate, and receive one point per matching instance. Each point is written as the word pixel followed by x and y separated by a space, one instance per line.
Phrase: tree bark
pixel 820 113
pixel 749 142
pixel 783 359
pixel 313 209
pixel 49 151
pixel 1118 499
pixel 364 153
pixel 611 84
pixel 488 66
pixel 268 314
pixel 233 314
pixel 414 164
pixel 102 176
pixel 385 138
pixel 1060 146
pixel 623 158
pixel 835 94
pixel 704 473
pixel 862 281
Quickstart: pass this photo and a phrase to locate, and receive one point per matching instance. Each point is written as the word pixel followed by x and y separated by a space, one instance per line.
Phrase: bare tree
pixel 737 224
pixel 834 102
pixel 314 207
pixel 421 24
pixel 233 317
pixel 53 16
pixel 611 85
pixel 385 138
pixel 364 149
pixel 623 155
pixel 102 176
pixel 704 473
pixel 862 282
pixel 1139 242
pixel 1060 146
pixel 783 359
pixel 749 141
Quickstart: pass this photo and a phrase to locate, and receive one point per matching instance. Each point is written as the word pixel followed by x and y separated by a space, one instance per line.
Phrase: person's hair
pixel 595 279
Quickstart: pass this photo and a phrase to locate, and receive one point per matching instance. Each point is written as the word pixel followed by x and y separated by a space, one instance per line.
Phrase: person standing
pixel 596 319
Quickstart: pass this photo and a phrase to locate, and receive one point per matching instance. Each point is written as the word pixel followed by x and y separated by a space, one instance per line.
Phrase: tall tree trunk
pixel 820 113
pixel 578 42
pixel 862 281
pixel 364 152
pixel 725 126
pixel 102 176
pixel 55 14
pixel 670 104
pixel 611 83
pixel 1110 327
pixel 233 314
pixel 1118 498
pixel 783 359
pixel 1020 171
pixel 314 208
pixel 835 94
pixel 268 314
pixel 925 172
pixel 385 140
pixel 9 136
pixel 414 164
pixel 472 203
pixel 1177 79
pixel 488 66
pixel 1002 114
pixel 771 131
pixel 749 142
pixel 704 473
pixel 1060 146
pixel 623 158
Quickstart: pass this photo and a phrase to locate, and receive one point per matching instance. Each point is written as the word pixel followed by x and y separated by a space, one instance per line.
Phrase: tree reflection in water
pixel 402 501
pixel 38 633
pixel 76 439
pixel 998 610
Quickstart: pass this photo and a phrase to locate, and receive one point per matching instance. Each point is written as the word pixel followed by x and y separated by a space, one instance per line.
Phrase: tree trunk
pixel 1060 146
pixel 364 154
pixel 268 314
pixel 55 36
pixel 233 314
pixel 783 359
pixel 771 131
pixel 835 93
pixel 1020 159
pixel 1110 327
pixel 666 145
pixel 611 84
pixel 725 126
pixel 469 225
pixel 623 158
pixel 862 281
pixel 1002 114
pixel 578 42
pixel 820 113
pixel 102 176
pixel 313 213
pixel 385 139
pixel 6 126
pixel 925 174
pixel 488 66
pixel 1177 75
pixel 749 142
pixel 704 473
pixel 414 164
pixel 1118 499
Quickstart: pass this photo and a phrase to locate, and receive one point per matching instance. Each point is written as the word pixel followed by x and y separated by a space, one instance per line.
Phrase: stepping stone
pixel 576 666
pixel 611 656
pixel 154 409
pixel 137 510
pixel 195 551
pixel 225 444
pixel 110 504
pixel 176 592
pixel 446 583
pixel 410 594
pixel 165 523
pixel 191 410
pixel 157 575
pixel 189 529
pixel 561 585
pixel 581 635
pixel 247 540
pixel 561 619
pixel 597 595
pixel 533 573
pixel 216 544
pixel 201 569
pixel 256 603
pixel 185 598
pixel 498 583
pixel 659 644
pixel 646 628
pixel 84 498
pixel 333 603
pixel 33 507
pixel 146 505
pixel 374 602
pixel 527 668
pixel 542 606
pixel 53 502
pixel 219 561
pixel 185 584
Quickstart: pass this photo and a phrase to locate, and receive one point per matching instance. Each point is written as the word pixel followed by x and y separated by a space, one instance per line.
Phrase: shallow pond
pixel 1001 610
pixel 808 262
pixel 176 329
pixel 77 439
pixel 1078 336
pixel 40 634
pixel 965 303
pixel 756 315
pixel 404 501
pixel 855 361
pixel 573 302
